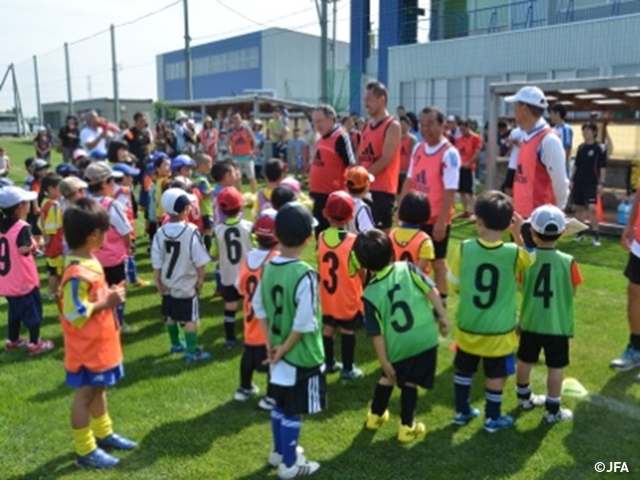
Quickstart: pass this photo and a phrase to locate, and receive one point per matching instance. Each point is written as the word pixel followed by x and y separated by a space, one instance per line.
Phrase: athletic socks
pixel 84 441
pixel 276 429
pixel 493 404
pixel 462 386
pixel 289 434
pixel 634 340
pixel 191 339
pixel 348 351
pixel 13 329
pixel 229 325
pixel 102 426
pixel 246 370
pixel 329 351
pixel 381 396
pixel 523 391
pixel 174 334
pixel 552 404
pixel 132 271
pixel 120 313
pixel 34 334
pixel 408 402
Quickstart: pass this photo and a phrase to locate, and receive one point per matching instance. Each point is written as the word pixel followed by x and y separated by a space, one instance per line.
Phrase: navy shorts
pixel 494 367
pixel 440 247
pixel 26 309
pixel 419 369
pixel 632 271
pixel 86 378
pixel 352 325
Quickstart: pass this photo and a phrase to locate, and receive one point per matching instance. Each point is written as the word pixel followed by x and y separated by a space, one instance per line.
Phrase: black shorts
pixel 253 358
pixel 115 275
pixel 465 184
pixel 439 248
pixel 494 367
pixel 632 271
pixel 419 369
pixel 556 349
pixel 34 222
pixel 230 293
pixel 53 271
pixel 508 179
pixel 382 209
pixel 207 222
pixel 180 310
pixel 308 395
pixel 401 179
pixel 26 309
pixel 319 202
pixel 584 194
pixel 352 325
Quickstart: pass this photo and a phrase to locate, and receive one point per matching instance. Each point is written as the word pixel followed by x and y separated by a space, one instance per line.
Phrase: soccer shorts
pixel 230 293
pixel 353 325
pixel 319 202
pixel 465 184
pixel 181 310
pixel 419 369
pixel 246 166
pixel 87 378
pixel 439 248
pixel 584 194
pixel 632 271
pixel 494 367
pixel 508 179
pixel 382 209
pixel 55 265
pixel 253 358
pixel 401 179
pixel 556 349
pixel 26 309
pixel 308 395
pixel 115 275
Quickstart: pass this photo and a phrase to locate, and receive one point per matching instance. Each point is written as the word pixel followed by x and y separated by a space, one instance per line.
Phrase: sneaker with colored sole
pixel 97 459
pixel 408 434
pixel 352 374
pixel 116 442
pixel 629 360
pixel 19 343
pixel 563 415
pixel 244 394
pixel 532 402
pixel 198 356
pixel 140 283
pixel 275 459
pixel 335 367
pixel 267 403
pixel 374 422
pixel 462 419
pixel 42 346
pixel 178 348
pixel 301 468
pixel 492 425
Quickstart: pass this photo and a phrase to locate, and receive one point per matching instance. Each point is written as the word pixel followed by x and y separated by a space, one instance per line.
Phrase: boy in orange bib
pixel 410 243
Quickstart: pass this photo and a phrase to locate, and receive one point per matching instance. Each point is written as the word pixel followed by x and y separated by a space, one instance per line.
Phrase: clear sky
pixel 40 27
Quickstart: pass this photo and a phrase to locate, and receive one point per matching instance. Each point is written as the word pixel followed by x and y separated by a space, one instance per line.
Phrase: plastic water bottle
pixel 624 209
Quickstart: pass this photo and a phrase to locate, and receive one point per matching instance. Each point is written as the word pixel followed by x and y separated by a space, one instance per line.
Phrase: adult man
pixel 380 154
pixel 400 112
pixel 469 144
pixel 435 171
pixel 181 131
pixel 243 144
pixel 541 170
pixel 93 136
pixel 452 131
pixel 333 155
pixel 139 139
pixel 558 113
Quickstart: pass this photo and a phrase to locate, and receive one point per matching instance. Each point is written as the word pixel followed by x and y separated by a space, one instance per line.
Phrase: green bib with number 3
pixel 398 295
pixel 278 289
pixel 487 288
pixel 547 303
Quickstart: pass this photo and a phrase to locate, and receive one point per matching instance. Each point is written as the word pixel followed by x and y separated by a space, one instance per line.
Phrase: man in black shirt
pixel 139 139
pixel 588 179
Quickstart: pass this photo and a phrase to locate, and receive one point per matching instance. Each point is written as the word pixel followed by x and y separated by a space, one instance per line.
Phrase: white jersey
pixel 362 217
pixel 233 238
pixel 178 252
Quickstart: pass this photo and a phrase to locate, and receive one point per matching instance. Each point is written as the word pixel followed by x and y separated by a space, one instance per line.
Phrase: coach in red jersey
pixel 380 154
pixel 334 154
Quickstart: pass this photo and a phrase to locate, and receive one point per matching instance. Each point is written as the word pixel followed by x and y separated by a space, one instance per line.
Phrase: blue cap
pixel 125 169
pixel 182 161
pixel 157 155
pixel 149 169
pixel 66 170
pixel 98 154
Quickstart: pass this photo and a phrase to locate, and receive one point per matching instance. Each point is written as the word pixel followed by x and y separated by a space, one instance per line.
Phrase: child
pixel 71 189
pixel 113 253
pixel 204 164
pixel 51 225
pixel 37 169
pixel 89 326
pixel 484 272
pixel 286 302
pixel 358 182
pixel 340 292
pixel 225 174
pixel 255 341
pixel 223 145
pixel 20 281
pixel 182 166
pixel 300 152
pixel 123 194
pixel 280 196
pixel 546 317
pixel 398 315
pixel 5 163
pixel 178 259
pixel 148 179
pixel 231 244
pixel 162 166
pixel 411 244
pixel 275 171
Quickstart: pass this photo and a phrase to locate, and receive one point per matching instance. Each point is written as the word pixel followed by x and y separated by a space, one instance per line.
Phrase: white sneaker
pixel 580 237
pixel 595 242
pixel 629 360
pixel 563 415
pixel 301 468
pixel 243 394
pixel 266 403
pixel 275 459
pixel 532 402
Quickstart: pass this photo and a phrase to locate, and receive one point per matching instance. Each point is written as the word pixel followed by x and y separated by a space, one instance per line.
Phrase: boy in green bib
pixel 546 318
pixel 399 301
pixel 286 302
pixel 484 272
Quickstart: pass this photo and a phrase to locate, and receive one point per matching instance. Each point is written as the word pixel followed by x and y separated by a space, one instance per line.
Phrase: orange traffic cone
pixel 599 210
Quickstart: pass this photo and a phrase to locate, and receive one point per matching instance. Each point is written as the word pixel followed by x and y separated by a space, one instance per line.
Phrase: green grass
pixel 188 426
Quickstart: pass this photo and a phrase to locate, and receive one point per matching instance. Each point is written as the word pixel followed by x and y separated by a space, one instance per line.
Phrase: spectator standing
pixel 208 138
pixel 469 144
pixel 93 136
pixel 5 163
pixel 407 144
pixel 243 144
pixel 558 114
pixel 139 139
pixel 503 138
pixel 42 144
pixel 300 152
pixel 513 142
pixel 181 132
pixel 69 137
pixel 258 134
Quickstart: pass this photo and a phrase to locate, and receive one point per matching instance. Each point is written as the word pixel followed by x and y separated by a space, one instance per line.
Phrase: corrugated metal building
pixel 55 113
pixel 284 61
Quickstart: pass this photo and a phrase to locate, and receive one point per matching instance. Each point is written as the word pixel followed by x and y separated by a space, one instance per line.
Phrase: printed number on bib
pixel 403 307
pixel 250 287
pixel 487 277
pixel 542 285
pixel 332 284
pixel 5 259
pixel 234 247
pixel 277 296
pixel 173 249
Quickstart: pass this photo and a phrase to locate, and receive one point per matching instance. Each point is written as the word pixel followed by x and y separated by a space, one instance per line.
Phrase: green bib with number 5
pixel 487 288
pixel 398 295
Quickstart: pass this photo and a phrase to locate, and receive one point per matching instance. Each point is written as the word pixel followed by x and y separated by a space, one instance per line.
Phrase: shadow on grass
pixel 56 468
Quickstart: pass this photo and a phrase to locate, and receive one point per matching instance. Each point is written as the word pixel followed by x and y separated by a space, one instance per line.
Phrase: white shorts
pixel 246 166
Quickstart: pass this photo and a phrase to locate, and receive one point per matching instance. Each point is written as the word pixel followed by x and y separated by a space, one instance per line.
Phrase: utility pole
pixel 187 52
pixel 17 103
pixel 334 80
pixel 68 68
pixel 324 97
pixel 38 104
pixel 114 67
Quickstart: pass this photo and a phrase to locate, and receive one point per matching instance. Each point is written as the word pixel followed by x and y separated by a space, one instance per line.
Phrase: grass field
pixel 189 427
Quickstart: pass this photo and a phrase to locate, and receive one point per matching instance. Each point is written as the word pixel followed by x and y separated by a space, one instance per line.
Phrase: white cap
pixel 11 196
pixel 175 200
pixel 98 172
pixel 181 116
pixel 530 95
pixel 451 118
pixel 548 220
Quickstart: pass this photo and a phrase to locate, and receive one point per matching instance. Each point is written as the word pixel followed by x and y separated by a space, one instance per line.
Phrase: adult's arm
pixel 390 146
pixel 451 179
pixel 345 150
pixel 89 141
pixel 552 156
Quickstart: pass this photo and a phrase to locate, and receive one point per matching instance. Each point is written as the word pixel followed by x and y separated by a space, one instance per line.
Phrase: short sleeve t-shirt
pixel 590 159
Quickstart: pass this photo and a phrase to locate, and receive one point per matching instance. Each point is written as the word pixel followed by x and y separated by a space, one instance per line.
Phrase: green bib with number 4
pixel 278 289
pixel 398 295
pixel 487 288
